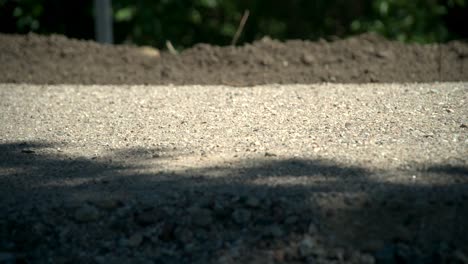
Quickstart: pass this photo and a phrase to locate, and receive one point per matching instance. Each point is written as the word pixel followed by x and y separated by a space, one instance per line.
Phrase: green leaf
pixel 209 3
pixel 383 8
pixel 356 25
pixel 17 12
pixel 124 14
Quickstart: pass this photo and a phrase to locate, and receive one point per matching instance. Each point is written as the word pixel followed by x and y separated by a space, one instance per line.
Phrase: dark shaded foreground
pixel 103 209
pixel 37 59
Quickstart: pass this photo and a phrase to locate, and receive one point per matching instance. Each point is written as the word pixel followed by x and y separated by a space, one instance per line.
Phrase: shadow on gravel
pixel 99 208
pixel 449 169
pixel 28 158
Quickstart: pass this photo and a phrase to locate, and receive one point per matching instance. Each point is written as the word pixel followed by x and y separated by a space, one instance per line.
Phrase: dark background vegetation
pixel 186 22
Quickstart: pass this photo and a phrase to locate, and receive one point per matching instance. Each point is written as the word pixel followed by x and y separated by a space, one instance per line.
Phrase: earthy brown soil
pixel 366 58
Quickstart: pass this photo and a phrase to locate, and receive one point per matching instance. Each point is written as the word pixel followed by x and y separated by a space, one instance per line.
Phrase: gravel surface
pixel 331 173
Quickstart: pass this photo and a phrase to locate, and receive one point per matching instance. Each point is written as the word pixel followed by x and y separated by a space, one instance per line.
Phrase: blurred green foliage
pixel 186 22
pixel 414 21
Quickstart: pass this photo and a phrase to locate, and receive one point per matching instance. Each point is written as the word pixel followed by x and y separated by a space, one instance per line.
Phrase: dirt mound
pixel 366 58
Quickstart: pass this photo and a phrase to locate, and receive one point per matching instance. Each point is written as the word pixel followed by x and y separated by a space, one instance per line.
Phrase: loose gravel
pixel 331 173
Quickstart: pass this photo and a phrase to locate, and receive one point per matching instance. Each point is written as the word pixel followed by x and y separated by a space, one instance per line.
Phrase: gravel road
pixel 276 173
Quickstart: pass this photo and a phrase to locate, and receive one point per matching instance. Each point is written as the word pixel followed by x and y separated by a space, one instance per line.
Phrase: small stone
pixel 278 255
pixel 39 228
pixel 276 231
pixel 122 242
pixel 86 214
pixel 405 253
pixel 307 59
pixel 252 201
pixel 220 210
pixel 183 235
pixel 402 233
pixel 149 217
pixel 306 246
pixel 201 217
pixel 460 257
pixel 7 245
pixel 148 51
pixel 291 252
pixel 384 54
pixel 241 216
pixel 267 60
pixel 312 229
pixel 367 259
pixel 320 251
pixel 190 247
pixel 225 259
pixel 373 245
pixel 266 39
pixel 107 203
pixel 338 254
pixel 167 232
pixel 7 258
pixel 135 240
pixel 100 259
pixel 386 255
pixel 292 219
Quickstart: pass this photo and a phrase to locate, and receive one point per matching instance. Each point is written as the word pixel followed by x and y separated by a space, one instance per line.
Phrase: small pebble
pixel 306 246
pixel 107 204
pixel 307 59
pixel 312 229
pixel 7 258
pixel 86 214
pixel 135 240
pixel 201 217
pixel 241 216
pixel 253 202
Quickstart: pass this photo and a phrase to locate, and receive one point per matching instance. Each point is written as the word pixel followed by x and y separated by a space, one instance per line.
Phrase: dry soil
pixel 361 59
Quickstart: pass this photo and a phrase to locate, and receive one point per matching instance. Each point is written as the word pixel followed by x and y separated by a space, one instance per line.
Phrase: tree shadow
pixel 262 208
pixel 449 169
